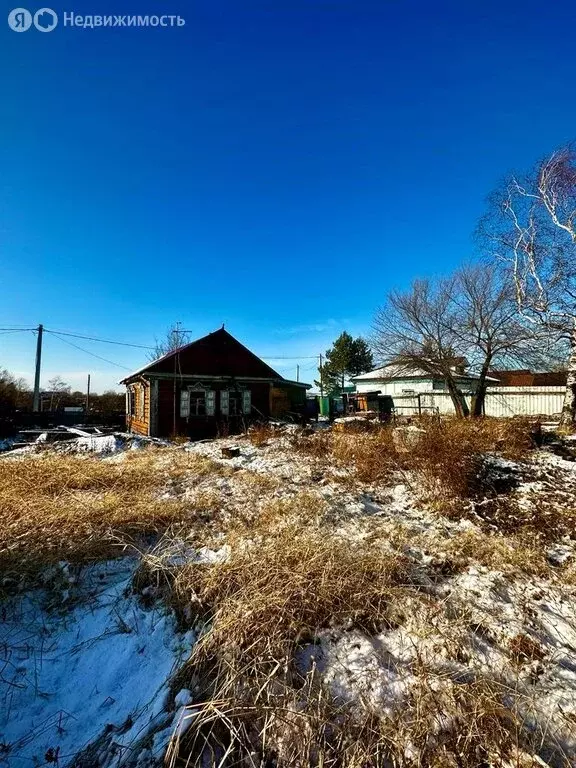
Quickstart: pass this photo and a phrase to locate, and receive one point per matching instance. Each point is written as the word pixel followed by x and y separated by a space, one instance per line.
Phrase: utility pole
pixel 176 336
pixel 36 401
pixel 88 395
pixel 297 373
pixel 321 387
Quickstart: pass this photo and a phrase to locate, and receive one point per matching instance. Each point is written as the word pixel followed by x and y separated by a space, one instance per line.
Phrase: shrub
pixel 260 434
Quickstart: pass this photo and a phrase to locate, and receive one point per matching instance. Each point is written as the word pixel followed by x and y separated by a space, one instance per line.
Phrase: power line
pixel 299 357
pixel 135 346
pixel 103 341
pixel 144 346
pixel 70 344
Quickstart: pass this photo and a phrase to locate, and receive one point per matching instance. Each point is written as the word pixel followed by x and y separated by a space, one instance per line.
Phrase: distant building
pixel 526 378
pixel 392 380
pixel 212 386
pixel 510 393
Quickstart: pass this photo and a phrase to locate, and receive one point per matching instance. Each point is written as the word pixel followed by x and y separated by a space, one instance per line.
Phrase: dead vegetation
pixel 277 599
pixel 456 467
pixel 268 599
pixel 261 434
pixel 295 575
pixel 79 508
pixel 448 456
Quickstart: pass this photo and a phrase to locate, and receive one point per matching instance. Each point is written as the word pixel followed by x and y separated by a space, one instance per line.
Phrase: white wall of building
pixel 500 401
pixel 401 386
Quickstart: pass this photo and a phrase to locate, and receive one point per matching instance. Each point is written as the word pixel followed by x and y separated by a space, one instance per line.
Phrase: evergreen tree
pixel 347 357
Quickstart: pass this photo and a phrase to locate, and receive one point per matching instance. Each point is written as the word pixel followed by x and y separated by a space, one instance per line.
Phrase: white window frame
pixel 244 398
pixel 184 403
pixel 207 395
pixel 141 411
pixel 224 402
pixel 130 402
pixel 210 399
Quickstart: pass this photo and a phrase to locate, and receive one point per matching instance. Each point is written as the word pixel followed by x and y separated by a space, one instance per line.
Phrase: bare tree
pixel 414 331
pixel 531 227
pixel 467 320
pixel 174 339
pixel 489 329
pixel 12 391
pixel 58 388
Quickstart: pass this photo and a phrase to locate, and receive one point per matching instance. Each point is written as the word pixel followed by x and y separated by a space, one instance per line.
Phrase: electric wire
pixel 60 334
pixel 99 357
pixel 94 338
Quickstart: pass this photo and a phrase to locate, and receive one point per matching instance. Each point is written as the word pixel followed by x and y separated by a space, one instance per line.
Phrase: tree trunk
pixel 568 416
pixel 458 400
pixel 478 398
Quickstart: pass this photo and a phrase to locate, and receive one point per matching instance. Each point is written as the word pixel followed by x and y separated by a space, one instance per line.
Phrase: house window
pixel 131 401
pixel 184 404
pixel 141 402
pixel 197 402
pixel 235 403
pixel 224 400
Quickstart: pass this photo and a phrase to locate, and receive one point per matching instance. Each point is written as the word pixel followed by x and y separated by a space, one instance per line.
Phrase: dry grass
pixel 514 555
pixel 290 579
pixel 80 508
pixel 449 458
pixel 264 602
pixel 260 434
pixel 280 593
pixel 446 457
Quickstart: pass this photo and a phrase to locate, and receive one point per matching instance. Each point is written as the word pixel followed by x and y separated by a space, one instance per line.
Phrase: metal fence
pixel 500 401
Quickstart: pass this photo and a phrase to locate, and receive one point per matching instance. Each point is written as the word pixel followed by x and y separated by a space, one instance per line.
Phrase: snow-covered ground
pixel 515 629
pixel 85 665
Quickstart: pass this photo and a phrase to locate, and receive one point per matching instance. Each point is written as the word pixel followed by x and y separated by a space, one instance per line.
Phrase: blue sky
pixel 274 165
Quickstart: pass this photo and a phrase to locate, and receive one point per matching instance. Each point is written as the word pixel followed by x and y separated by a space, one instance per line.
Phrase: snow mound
pixel 94 678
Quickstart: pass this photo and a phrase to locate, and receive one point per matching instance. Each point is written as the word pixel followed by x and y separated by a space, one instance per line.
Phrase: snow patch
pixel 96 676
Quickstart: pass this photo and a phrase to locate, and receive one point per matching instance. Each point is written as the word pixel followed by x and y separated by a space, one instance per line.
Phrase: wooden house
pixel 213 386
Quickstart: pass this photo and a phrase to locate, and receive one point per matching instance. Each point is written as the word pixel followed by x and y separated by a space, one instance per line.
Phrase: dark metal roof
pixel 216 355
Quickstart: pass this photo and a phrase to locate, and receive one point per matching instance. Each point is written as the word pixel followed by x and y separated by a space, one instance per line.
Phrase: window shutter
pixel 210 402
pixel 184 404
pixel 141 403
pixel 224 402
pixel 246 401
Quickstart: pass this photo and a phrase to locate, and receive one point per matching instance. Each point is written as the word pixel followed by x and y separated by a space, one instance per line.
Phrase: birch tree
pixel 531 228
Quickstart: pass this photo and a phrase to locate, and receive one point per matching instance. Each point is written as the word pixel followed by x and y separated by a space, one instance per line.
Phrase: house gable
pixel 217 354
